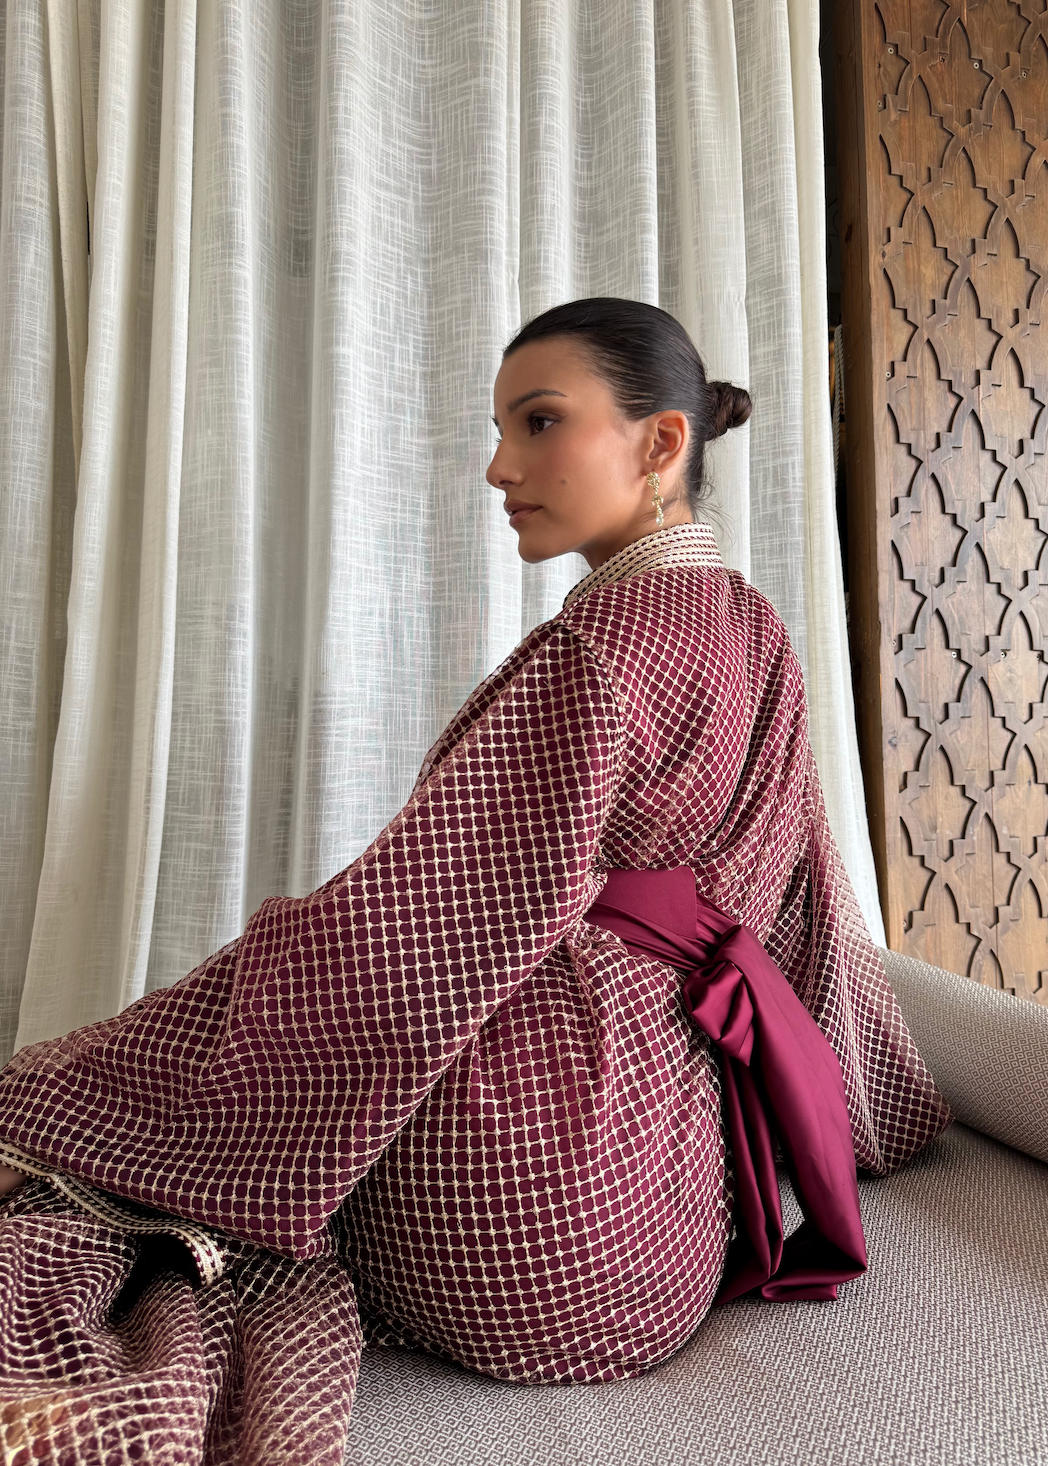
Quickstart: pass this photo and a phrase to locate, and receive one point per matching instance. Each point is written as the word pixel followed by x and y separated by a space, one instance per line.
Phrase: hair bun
pixel 731 407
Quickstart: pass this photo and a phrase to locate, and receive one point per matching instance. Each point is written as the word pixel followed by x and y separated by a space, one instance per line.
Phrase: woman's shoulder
pixel 709 617
pixel 551 653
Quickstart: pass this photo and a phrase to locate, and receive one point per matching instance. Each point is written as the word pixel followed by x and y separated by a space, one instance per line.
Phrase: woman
pixel 467 1090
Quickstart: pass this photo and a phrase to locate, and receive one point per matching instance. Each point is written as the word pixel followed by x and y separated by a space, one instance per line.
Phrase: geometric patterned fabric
pixel 432 1083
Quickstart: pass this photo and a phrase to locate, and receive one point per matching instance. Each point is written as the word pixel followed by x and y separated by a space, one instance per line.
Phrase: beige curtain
pixel 257 264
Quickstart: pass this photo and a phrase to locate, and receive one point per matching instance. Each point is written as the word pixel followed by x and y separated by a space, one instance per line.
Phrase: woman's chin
pixel 534 554
pixel 533 549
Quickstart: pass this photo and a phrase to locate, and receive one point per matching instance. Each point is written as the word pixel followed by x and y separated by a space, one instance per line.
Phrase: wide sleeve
pixel 253 1094
pixel 820 941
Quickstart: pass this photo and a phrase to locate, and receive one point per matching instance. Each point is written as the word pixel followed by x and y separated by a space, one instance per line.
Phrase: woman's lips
pixel 519 512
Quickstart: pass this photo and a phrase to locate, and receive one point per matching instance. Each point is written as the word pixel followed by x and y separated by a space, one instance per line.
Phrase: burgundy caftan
pixel 432 1089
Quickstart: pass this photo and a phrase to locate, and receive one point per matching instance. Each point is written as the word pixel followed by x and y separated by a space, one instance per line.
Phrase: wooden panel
pixel 943 163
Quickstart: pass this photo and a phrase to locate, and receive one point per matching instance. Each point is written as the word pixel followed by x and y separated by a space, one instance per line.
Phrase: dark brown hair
pixel 650 363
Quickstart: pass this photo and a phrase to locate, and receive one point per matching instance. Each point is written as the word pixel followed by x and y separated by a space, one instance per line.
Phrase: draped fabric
pixel 257 265
pixel 435 1067
pixel 779 1077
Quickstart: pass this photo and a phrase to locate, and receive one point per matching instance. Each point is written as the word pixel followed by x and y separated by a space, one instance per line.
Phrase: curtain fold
pixel 36 487
pixel 67 123
pixel 828 665
pixel 702 236
pixel 313 226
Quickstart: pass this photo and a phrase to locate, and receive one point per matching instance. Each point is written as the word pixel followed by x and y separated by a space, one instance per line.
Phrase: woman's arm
pixel 252 1095
pixel 821 942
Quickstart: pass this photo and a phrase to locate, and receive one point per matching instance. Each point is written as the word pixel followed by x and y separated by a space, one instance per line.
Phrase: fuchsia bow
pixel 780 1075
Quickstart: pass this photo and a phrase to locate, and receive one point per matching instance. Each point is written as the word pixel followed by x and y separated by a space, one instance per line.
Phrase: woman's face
pixel 573 470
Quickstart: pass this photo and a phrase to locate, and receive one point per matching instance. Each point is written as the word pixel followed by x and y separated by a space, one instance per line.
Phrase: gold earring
pixel 656 498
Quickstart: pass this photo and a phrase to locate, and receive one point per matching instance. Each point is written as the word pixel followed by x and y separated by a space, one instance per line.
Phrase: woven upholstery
pixel 987 1050
pixel 936 1357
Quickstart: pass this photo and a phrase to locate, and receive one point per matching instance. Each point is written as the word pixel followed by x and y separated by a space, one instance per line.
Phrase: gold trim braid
pixel 199 1241
pixel 681 547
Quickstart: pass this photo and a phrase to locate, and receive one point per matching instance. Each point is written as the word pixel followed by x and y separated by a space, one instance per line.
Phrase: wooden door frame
pixel 866 448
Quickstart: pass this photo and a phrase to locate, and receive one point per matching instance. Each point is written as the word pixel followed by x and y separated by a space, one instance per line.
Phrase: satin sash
pixel 780 1076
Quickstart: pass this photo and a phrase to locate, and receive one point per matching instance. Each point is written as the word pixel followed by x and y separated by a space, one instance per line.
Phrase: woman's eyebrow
pixel 527 396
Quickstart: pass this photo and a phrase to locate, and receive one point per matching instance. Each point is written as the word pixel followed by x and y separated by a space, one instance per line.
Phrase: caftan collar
pixel 681 546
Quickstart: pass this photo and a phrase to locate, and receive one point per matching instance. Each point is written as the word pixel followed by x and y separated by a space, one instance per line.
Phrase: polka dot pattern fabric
pixel 430 1101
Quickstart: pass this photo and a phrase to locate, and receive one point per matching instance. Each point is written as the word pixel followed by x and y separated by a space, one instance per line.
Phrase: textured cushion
pixel 987 1050
pixel 936 1357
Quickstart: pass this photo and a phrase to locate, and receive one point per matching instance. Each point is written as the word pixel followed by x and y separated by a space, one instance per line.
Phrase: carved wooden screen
pixel 945 304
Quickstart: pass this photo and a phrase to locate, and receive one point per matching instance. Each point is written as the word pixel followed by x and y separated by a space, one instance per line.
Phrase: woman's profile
pixel 509 1087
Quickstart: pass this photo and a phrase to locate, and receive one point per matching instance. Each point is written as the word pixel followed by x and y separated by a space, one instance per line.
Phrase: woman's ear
pixel 668 443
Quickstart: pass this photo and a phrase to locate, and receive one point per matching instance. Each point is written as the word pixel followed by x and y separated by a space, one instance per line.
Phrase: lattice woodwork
pixel 952 206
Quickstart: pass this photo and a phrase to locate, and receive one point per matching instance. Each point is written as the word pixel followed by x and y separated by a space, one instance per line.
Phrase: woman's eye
pixel 536 417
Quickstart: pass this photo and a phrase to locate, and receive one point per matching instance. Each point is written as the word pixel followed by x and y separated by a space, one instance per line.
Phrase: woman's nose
pixel 500 469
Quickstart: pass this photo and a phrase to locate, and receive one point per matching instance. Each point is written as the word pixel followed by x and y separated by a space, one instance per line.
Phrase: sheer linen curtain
pixel 258 259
